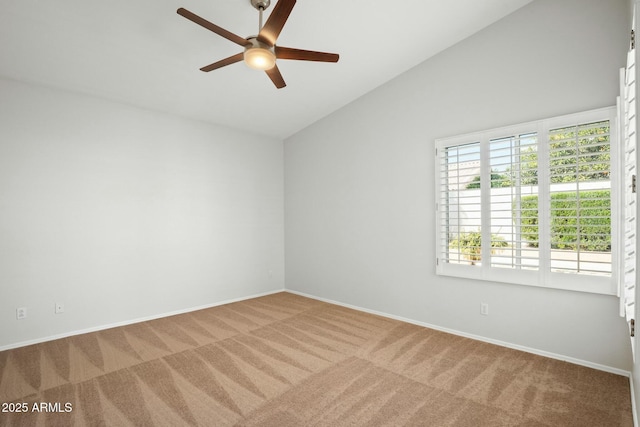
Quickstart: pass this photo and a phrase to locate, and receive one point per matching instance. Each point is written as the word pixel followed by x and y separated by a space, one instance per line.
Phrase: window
pixel 531 204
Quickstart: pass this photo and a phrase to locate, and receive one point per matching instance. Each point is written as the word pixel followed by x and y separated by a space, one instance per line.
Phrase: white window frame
pixel 543 277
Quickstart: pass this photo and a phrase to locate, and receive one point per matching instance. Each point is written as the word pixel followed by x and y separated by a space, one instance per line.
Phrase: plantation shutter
pixel 580 199
pixel 459 199
pixel 534 203
pixel 514 202
pixel 628 99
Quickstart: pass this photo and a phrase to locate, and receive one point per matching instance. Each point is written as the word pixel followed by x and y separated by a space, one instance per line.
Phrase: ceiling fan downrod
pixel 261 5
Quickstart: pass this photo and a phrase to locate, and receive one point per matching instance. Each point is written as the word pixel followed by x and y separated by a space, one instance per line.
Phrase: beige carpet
pixel 285 360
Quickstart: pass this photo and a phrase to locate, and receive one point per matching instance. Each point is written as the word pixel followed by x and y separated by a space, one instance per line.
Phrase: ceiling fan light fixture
pixel 259 57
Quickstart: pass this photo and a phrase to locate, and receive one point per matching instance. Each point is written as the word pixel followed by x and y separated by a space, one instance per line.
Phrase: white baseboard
pixel 477 337
pixel 132 321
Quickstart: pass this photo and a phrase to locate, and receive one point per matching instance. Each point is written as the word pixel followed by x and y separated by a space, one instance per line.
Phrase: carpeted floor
pixel 284 360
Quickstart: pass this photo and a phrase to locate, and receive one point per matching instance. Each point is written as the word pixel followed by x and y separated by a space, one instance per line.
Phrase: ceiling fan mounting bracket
pixel 260 4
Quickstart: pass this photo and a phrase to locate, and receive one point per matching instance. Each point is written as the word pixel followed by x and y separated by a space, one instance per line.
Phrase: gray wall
pixel 359 184
pixel 121 213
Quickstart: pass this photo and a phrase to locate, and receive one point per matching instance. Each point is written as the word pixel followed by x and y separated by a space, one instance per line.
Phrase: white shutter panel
pixel 460 207
pixel 514 202
pixel 629 103
pixel 580 199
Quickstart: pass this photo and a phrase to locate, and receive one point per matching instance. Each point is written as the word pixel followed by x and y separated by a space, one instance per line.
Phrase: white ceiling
pixel 143 53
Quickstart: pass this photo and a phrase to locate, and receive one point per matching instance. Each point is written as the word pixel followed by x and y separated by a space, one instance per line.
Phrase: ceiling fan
pixel 261 52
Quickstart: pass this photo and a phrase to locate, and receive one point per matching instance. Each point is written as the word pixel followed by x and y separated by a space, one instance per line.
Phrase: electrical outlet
pixel 59 308
pixel 21 313
pixel 484 308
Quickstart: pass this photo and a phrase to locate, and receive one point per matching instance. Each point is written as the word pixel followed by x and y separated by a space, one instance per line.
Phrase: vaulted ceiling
pixel 143 53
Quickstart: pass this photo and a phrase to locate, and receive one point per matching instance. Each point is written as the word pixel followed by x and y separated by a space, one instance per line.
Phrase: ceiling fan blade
pixel 276 77
pixel 271 29
pixel 227 61
pixel 213 27
pixel 305 55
